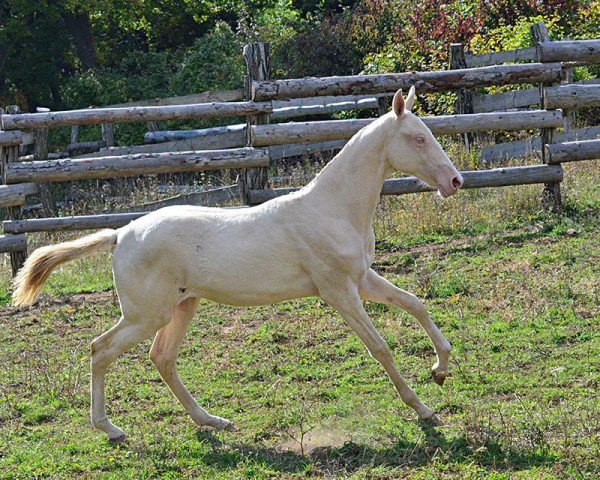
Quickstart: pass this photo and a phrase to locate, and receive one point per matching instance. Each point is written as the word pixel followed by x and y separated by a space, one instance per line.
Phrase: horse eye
pixel 420 140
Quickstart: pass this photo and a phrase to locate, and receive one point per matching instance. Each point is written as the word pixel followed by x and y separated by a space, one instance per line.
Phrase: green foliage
pixel 213 62
pixel 75 54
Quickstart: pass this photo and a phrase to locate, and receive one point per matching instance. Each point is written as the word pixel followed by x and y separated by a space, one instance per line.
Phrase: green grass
pixel 517 294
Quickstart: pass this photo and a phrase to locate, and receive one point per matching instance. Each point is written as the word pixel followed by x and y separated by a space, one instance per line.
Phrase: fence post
pixel 551 196
pixel 108 134
pixel 10 154
pixel 40 152
pixel 569 114
pixel 153 126
pixel 383 105
pixel 464 101
pixel 74 133
pixel 258 67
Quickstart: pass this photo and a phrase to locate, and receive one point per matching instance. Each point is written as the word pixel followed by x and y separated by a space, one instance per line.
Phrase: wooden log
pixel 284 133
pixel 279 152
pixel 9 155
pixel 210 198
pixel 506 100
pixel 13 243
pixel 569 114
pixel 258 68
pixel 304 132
pixel 496 58
pixel 219 142
pixel 438 81
pixel 383 106
pixel 499 177
pixel 517 98
pixel 204 97
pixel 84 222
pixel 572 96
pixel 531 146
pixel 586 51
pixel 153 126
pixel 8 139
pixel 136 164
pixel 28 138
pixel 573 151
pixel 14 195
pixel 75 134
pixel 464 97
pixel 134 114
pixel 349 102
pixel 51 156
pixel 108 134
pixel 81 148
pixel 230 135
pixel 40 152
pixel 551 195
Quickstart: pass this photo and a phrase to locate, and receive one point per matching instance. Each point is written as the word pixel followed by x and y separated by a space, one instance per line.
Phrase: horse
pixel 317 241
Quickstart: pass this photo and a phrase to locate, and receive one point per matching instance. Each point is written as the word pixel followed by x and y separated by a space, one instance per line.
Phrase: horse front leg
pixel 377 289
pixel 347 302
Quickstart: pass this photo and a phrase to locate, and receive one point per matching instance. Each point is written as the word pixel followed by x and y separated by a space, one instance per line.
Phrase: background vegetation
pixel 66 54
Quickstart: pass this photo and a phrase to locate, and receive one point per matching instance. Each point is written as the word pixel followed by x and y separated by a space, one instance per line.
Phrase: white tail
pixel 40 264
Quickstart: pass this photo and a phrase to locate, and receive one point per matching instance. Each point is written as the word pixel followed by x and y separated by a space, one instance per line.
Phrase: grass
pixel 515 290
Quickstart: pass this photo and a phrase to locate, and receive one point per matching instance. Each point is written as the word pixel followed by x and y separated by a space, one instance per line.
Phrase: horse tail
pixel 40 264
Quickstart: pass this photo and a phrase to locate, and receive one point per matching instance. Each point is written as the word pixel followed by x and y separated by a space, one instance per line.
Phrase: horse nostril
pixel 456 183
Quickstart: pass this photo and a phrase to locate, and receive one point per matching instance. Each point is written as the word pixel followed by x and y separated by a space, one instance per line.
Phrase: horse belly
pixel 256 287
pixel 247 277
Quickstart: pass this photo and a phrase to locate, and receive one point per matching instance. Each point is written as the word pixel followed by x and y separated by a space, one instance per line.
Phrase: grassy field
pixel 514 289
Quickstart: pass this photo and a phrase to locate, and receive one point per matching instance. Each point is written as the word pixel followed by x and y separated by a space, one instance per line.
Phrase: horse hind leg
pixel 163 353
pixel 105 350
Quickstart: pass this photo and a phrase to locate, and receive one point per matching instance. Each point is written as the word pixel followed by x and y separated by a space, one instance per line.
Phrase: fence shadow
pixel 352 456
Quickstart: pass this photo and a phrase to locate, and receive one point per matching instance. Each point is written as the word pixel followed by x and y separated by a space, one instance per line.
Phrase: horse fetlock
pixel 115 434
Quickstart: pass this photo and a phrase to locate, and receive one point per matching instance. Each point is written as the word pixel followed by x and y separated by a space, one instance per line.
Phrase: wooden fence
pixel 473 101
pixel 265 143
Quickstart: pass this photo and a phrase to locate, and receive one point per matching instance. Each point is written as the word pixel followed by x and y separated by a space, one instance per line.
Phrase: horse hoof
pixel 118 440
pixel 433 421
pixel 439 377
pixel 230 427
pixel 225 425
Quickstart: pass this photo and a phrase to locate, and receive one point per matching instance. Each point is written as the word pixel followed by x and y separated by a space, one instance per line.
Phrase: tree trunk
pixel 81 32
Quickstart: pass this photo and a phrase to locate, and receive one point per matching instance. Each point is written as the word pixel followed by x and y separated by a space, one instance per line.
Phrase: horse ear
pixel 410 100
pixel 398 103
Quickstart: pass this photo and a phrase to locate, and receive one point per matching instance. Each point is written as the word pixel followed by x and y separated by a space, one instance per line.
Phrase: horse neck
pixel 350 185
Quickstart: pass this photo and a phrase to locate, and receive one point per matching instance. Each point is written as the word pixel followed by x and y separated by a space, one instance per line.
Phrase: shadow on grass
pixel 352 456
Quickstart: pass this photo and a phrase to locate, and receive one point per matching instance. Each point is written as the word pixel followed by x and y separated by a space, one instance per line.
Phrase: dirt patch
pixel 50 301
pixel 320 438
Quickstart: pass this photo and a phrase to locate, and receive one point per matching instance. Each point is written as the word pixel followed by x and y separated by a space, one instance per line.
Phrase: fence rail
pixel 134 114
pixel 498 177
pixel 438 81
pixel 587 51
pixel 321 131
pixel 133 165
pixel 573 151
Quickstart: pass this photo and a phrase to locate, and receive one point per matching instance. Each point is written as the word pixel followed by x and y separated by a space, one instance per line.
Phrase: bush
pixel 214 62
